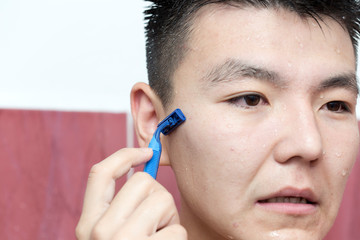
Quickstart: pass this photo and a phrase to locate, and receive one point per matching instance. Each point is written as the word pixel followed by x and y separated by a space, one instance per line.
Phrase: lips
pixel 291 194
pixel 290 201
pixel 298 200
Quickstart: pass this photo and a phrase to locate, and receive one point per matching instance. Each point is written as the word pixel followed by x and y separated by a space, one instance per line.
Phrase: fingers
pixel 142 209
pixel 142 206
pixel 101 185
pixel 173 232
pixel 157 211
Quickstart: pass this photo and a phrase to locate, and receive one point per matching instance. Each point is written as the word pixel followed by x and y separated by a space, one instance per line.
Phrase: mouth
pixel 290 201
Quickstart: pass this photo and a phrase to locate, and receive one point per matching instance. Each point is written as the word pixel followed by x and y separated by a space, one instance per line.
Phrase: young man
pixel 269 91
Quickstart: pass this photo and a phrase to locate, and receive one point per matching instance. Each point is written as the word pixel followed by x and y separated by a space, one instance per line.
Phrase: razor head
pixel 172 121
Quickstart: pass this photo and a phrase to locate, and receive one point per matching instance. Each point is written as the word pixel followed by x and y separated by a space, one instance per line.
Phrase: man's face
pixel 271 132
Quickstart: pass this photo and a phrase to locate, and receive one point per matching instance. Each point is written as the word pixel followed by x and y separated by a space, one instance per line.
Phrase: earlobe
pixel 147 111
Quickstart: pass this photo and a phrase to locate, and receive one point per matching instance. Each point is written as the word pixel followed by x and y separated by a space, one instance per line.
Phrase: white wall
pixel 71 54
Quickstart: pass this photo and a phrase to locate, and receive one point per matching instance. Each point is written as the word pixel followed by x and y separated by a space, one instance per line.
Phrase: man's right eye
pixel 248 101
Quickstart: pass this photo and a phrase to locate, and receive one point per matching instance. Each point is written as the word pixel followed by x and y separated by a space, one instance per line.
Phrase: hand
pixel 142 209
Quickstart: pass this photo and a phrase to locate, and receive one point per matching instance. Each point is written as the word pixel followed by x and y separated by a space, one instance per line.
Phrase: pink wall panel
pixel 45 158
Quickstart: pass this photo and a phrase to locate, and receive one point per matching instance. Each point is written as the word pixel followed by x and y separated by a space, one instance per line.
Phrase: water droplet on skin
pixel 338 155
pixel 274 234
pixel 275 132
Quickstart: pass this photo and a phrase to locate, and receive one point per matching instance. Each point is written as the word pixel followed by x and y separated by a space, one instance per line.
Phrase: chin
pixel 281 234
pixel 266 231
pixel 295 234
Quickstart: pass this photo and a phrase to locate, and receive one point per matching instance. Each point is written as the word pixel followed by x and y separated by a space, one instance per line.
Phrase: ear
pixel 147 111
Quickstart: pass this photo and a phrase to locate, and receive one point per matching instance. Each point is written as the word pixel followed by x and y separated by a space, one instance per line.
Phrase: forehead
pixel 259 23
pixel 276 38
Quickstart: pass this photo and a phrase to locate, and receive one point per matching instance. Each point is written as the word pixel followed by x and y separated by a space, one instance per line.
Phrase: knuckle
pixel 166 197
pixel 80 232
pixel 179 230
pixel 143 176
pixel 98 233
pixel 144 179
pixel 166 202
pixel 97 169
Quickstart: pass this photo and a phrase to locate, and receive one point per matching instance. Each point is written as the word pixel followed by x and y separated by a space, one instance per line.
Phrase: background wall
pixel 70 54
pixel 67 67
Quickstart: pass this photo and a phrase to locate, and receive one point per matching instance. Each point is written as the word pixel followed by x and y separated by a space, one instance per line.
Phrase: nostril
pixel 287 150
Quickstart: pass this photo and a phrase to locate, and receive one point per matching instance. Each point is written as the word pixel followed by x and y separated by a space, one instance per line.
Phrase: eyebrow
pixel 347 80
pixel 233 69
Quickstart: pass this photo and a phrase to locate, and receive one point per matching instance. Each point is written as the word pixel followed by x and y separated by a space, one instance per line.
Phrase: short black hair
pixel 168 24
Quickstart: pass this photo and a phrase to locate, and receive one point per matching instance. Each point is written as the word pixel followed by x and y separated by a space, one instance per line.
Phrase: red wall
pixel 45 158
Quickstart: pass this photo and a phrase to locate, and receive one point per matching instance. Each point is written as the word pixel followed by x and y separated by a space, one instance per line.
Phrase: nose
pixel 299 137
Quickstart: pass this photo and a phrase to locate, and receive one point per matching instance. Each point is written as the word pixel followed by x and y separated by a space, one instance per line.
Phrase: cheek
pixel 212 152
pixel 210 144
pixel 342 145
pixel 340 152
pixel 215 160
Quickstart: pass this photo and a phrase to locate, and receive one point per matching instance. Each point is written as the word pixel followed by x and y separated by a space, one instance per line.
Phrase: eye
pixel 337 107
pixel 248 100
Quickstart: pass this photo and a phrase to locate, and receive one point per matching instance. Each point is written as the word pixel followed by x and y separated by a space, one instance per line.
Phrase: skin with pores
pixel 232 154
pixel 270 137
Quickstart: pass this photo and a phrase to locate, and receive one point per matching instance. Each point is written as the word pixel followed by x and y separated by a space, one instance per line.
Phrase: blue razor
pixel 166 126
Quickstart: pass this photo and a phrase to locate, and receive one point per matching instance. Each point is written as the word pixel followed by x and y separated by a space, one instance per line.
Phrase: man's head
pixel 170 22
pixel 271 132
